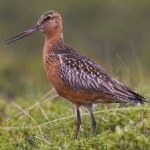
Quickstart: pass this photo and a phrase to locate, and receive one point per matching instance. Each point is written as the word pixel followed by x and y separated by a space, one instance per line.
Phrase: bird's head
pixel 50 23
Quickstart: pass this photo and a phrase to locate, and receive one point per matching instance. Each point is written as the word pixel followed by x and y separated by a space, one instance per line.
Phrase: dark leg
pixel 93 122
pixel 78 122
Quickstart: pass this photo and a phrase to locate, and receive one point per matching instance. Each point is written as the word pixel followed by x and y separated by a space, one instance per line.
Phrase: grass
pixel 48 123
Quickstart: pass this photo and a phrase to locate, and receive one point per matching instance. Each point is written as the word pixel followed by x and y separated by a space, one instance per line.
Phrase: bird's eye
pixel 48 18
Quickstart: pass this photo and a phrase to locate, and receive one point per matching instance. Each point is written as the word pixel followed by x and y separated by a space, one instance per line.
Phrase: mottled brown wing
pixel 81 73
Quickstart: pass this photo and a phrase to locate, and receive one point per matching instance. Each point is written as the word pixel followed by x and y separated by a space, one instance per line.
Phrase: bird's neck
pixel 52 41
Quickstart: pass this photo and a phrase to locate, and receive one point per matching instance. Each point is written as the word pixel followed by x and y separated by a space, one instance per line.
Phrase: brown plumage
pixel 74 76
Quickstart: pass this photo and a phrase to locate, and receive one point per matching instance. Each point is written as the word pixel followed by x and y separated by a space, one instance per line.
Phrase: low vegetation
pixel 48 123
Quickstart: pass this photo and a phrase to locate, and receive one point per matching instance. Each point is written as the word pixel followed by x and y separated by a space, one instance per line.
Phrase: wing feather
pixel 81 73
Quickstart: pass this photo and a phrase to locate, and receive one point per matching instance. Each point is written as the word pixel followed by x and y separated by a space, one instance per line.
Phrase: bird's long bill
pixel 22 34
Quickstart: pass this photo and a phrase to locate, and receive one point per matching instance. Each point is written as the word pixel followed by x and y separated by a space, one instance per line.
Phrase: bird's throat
pixel 51 42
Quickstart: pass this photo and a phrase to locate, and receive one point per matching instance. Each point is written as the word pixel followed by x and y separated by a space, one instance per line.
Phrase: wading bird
pixel 74 76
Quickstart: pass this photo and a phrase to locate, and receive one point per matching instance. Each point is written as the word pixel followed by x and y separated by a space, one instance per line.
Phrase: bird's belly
pixel 82 97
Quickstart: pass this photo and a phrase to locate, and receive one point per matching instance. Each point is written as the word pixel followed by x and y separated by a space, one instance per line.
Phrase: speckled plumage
pixel 74 76
pixel 80 73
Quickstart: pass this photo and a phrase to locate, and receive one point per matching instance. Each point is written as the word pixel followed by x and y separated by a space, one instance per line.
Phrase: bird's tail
pixel 127 95
pixel 137 98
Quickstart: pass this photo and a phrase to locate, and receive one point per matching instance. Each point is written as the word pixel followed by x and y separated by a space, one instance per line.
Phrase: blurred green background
pixel 114 33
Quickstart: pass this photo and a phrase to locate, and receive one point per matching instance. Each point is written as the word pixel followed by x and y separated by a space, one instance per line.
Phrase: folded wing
pixel 81 73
